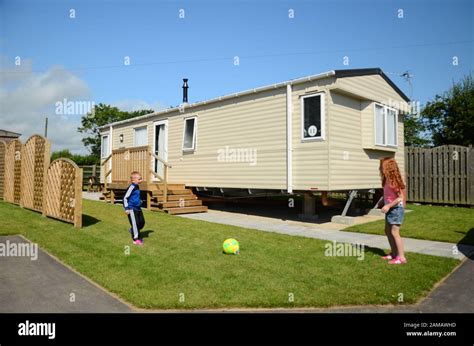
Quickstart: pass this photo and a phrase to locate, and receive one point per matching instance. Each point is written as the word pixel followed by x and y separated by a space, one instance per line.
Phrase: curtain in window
pixel 379 125
pixel 105 146
pixel 391 127
pixel 140 137
pixel 189 134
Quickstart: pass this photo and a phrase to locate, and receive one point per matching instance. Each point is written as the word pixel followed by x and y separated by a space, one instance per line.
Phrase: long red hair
pixel 390 172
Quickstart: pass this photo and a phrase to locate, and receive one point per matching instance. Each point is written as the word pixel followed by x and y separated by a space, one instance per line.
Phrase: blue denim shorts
pixel 395 215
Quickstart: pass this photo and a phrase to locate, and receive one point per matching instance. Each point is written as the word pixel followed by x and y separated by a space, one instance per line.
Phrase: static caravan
pixel 319 133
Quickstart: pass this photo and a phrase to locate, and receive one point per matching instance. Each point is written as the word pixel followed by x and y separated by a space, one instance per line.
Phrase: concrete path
pixel 331 231
pixel 94 196
pixel 45 285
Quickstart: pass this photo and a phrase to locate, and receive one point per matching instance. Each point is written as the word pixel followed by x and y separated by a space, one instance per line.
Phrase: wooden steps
pixel 173 192
pixel 182 210
pixel 180 200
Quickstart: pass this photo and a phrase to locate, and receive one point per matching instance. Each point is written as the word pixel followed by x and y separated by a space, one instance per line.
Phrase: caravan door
pixel 160 146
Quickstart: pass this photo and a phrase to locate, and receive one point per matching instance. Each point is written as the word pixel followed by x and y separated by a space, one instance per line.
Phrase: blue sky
pixel 82 58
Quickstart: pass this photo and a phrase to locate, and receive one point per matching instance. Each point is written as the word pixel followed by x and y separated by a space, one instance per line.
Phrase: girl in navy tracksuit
pixel 132 204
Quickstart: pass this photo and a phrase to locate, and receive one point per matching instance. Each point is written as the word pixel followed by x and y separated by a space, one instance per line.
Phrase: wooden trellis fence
pixel 63 192
pixel 444 174
pixel 12 177
pixel 3 148
pixel 35 160
pixel 28 179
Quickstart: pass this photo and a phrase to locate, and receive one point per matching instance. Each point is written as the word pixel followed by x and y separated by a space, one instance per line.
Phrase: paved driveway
pixel 45 285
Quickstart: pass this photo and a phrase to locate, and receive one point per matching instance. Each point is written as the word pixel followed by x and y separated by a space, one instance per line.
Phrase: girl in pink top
pixel 394 203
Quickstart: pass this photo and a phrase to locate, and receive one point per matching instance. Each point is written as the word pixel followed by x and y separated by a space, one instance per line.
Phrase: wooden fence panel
pixel 63 194
pixel 444 174
pixel 3 148
pixel 35 161
pixel 12 182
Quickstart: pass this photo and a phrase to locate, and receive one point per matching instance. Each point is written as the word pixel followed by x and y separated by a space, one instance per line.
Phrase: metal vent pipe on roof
pixel 185 90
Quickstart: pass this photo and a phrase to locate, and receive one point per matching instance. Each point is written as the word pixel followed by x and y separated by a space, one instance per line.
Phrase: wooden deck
pixel 180 200
pixel 172 198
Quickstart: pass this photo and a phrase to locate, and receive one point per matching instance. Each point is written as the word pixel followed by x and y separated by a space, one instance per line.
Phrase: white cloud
pixel 27 97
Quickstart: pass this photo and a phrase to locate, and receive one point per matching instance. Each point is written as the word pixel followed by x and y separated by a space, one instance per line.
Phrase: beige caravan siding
pixel 349 166
pixel 253 123
pixel 400 154
pixel 310 158
pixel 256 123
pixel 372 87
pixel 128 132
pixel 352 130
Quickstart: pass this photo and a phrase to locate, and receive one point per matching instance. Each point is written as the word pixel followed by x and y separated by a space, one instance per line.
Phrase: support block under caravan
pixel 309 207
pixel 343 218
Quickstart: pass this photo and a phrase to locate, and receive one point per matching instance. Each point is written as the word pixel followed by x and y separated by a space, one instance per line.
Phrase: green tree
pixel 414 130
pixel 80 160
pixel 450 117
pixel 103 114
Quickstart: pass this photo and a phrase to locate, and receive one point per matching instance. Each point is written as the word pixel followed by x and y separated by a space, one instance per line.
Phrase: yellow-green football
pixel 231 246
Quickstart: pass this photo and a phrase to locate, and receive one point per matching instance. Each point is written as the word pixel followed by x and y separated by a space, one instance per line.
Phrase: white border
pixel 385 113
pixel 102 154
pixel 134 130
pixel 155 124
pixel 190 150
pixel 323 117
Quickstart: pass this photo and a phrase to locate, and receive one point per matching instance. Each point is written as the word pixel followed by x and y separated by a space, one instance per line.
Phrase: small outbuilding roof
pixel 333 73
pixel 9 134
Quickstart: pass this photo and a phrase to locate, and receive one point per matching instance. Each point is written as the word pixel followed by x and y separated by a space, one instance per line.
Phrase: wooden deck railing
pixel 138 159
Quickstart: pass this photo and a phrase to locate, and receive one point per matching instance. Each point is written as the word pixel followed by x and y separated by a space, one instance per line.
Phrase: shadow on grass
pixel 88 220
pixel 145 234
pixel 466 244
pixel 374 250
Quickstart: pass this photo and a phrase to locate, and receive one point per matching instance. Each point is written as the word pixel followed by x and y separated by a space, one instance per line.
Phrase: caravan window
pixel 312 114
pixel 140 136
pixel 385 125
pixel 105 146
pixel 189 137
pixel 379 125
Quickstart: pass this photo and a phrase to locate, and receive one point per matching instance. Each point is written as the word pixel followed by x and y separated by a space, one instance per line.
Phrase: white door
pixel 160 146
pixel 106 150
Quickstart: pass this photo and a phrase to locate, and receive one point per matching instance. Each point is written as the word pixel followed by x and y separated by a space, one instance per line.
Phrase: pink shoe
pixel 388 257
pixel 138 242
pixel 398 260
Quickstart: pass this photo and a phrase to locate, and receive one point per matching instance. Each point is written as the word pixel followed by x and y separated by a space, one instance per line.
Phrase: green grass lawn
pixel 184 256
pixel 448 224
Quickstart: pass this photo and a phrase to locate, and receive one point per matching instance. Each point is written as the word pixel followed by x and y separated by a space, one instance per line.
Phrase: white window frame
pixel 102 155
pixel 134 133
pixel 385 116
pixel 194 133
pixel 323 117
